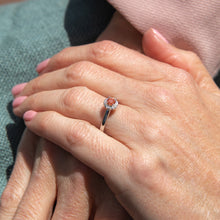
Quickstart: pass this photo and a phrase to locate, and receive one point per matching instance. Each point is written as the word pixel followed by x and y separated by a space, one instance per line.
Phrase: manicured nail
pixel 18 101
pixel 41 66
pixel 159 35
pixel 29 115
pixel 18 88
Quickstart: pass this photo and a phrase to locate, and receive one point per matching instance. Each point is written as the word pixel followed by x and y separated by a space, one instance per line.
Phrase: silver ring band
pixel 110 103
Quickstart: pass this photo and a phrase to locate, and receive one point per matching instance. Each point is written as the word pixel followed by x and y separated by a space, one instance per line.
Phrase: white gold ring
pixel 110 103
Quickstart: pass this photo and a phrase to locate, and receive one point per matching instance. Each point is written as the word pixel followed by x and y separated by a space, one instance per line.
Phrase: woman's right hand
pixel 49 183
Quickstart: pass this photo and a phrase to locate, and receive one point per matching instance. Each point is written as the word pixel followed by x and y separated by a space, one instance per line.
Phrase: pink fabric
pixel 188 24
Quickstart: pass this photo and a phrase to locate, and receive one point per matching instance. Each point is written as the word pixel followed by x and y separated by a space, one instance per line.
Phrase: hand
pixel 45 177
pixel 75 183
pixel 160 159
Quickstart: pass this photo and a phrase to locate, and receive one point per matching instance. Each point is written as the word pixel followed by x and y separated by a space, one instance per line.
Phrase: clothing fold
pixel 188 24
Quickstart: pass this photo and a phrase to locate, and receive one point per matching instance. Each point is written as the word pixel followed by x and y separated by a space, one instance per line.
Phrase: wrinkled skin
pixel 160 153
pixel 44 175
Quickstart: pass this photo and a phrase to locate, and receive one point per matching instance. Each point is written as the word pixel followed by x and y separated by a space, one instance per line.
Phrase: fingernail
pixel 18 101
pixel 18 88
pixel 159 35
pixel 41 66
pixel 29 115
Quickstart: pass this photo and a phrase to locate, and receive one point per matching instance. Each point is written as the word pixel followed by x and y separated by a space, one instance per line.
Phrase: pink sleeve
pixel 188 24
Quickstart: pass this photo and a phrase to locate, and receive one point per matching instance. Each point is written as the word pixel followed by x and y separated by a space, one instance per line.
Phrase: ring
pixel 110 103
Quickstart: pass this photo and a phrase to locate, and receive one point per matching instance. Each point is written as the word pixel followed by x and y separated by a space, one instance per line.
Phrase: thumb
pixel 157 47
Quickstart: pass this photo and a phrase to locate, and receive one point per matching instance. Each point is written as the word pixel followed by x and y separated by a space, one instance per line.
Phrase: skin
pixel 160 151
pixel 79 192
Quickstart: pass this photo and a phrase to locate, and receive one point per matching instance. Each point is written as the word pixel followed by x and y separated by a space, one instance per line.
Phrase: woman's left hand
pixel 160 154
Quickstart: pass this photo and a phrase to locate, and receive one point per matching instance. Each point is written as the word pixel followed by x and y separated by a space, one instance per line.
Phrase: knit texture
pixel 188 24
pixel 30 32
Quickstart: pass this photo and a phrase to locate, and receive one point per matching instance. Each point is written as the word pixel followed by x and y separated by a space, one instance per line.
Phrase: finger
pixel 111 56
pixel 94 77
pixel 38 199
pixel 73 199
pixel 20 176
pixel 156 46
pixel 84 141
pixel 84 104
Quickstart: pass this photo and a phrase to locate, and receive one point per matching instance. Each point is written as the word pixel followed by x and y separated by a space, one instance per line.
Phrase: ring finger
pixel 84 104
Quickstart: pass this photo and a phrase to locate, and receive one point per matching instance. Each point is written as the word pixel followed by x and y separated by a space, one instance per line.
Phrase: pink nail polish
pixel 29 115
pixel 18 88
pixel 18 101
pixel 41 66
pixel 160 36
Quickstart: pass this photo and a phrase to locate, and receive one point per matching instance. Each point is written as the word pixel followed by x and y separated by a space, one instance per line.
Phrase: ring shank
pixel 107 113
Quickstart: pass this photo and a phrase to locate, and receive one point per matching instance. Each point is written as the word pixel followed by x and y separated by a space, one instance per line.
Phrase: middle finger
pixel 96 78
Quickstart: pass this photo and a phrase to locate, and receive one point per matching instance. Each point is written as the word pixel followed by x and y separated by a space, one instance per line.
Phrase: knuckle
pixel 158 131
pixel 76 72
pixel 145 168
pixel 165 96
pixel 182 77
pixel 159 95
pixel 74 96
pixel 68 99
pixel 10 197
pixel 103 49
pixel 151 131
pixel 78 133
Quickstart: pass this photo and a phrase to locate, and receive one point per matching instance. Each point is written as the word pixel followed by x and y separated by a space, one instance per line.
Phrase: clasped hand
pixel 160 153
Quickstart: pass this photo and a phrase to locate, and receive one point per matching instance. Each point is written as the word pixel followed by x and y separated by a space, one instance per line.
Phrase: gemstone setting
pixel 111 103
